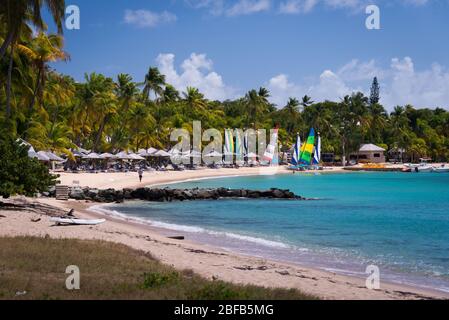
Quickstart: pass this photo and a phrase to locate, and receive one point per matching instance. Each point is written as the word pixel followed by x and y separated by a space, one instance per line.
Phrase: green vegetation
pixel 52 111
pixel 107 271
pixel 20 174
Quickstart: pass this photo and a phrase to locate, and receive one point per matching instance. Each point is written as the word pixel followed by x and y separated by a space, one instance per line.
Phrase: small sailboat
pixel 307 149
pixel 296 153
pixel 317 153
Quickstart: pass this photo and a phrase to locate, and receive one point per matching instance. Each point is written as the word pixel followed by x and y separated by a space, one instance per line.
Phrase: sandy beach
pixel 210 262
pixel 119 180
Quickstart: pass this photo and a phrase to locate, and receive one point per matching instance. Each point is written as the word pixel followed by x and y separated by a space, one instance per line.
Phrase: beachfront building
pixel 369 153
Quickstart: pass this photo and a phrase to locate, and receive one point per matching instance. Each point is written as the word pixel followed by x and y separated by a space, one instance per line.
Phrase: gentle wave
pixel 192 229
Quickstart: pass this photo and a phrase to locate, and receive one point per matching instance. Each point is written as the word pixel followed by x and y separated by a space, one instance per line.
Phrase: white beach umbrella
pixel 146 152
pixel 107 155
pixel 42 156
pixel 162 153
pixel 214 154
pixel 32 153
pixel 123 156
pixel 134 156
pixel 92 156
pixel 53 157
pixel 83 151
pixel 152 150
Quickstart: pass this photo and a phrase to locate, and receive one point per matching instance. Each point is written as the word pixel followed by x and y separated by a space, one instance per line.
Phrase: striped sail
pixel 229 142
pixel 239 148
pixel 307 149
pixel 296 151
pixel 317 152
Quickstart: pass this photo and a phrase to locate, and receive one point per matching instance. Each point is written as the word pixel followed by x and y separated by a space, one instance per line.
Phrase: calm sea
pixel 397 221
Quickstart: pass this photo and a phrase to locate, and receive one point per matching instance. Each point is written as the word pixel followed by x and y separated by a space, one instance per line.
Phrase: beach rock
pixel 77 193
pixel 167 194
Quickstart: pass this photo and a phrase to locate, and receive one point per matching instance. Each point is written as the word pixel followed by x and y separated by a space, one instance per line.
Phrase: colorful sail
pixel 307 149
pixel 271 151
pixel 317 152
pixel 229 142
pixel 296 151
pixel 239 148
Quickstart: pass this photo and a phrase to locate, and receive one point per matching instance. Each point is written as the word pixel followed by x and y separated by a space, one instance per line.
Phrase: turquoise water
pixel 397 221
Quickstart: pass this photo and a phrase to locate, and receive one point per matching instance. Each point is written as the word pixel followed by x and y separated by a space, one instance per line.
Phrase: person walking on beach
pixel 140 174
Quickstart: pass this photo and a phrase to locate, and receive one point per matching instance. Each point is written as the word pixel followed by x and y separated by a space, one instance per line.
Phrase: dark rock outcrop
pixel 168 194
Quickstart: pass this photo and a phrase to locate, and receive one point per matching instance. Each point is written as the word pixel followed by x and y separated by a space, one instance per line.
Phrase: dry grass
pixel 108 271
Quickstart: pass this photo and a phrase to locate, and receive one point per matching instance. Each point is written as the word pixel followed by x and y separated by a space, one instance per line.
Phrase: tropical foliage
pixel 20 174
pixel 54 112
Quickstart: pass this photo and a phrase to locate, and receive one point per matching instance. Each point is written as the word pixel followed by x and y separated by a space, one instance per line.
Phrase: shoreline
pixel 203 236
pixel 206 260
pixel 120 180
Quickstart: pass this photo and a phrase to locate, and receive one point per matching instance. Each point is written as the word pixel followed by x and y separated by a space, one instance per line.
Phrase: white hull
pixel 424 169
pixel 77 221
pixel 441 170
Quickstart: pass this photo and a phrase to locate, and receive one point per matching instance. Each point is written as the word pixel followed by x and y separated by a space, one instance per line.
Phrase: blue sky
pixel 293 47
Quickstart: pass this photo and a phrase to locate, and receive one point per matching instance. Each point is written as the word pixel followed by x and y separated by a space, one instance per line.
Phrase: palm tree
pixel 306 101
pixel 195 99
pixel 256 104
pixel 170 94
pixel 17 13
pixel 42 50
pixel 154 82
pixel 292 115
pixel 377 122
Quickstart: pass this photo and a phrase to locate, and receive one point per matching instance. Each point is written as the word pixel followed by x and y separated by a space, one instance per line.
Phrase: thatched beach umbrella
pixel 162 153
pixel 92 156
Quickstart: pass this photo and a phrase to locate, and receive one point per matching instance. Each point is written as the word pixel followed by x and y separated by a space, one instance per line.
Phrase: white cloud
pixel 215 7
pixel 245 7
pixel 196 71
pixel 400 84
pixel 148 19
pixel 297 6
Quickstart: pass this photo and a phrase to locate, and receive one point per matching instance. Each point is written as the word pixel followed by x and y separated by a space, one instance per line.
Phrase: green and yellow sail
pixel 307 149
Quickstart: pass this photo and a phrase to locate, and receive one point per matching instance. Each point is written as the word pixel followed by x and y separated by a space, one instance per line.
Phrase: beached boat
pixel 442 169
pixel 424 168
pixel 74 221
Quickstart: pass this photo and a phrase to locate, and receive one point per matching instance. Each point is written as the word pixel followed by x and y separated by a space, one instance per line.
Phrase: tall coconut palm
pixel 194 99
pixel 306 101
pixel 170 94
pixel 154 82
pixel 291 111
pixel 42 50
pixel 18 13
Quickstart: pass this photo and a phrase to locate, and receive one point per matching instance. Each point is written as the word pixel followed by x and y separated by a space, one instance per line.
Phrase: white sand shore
pixel 205 260
pixel 119 180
